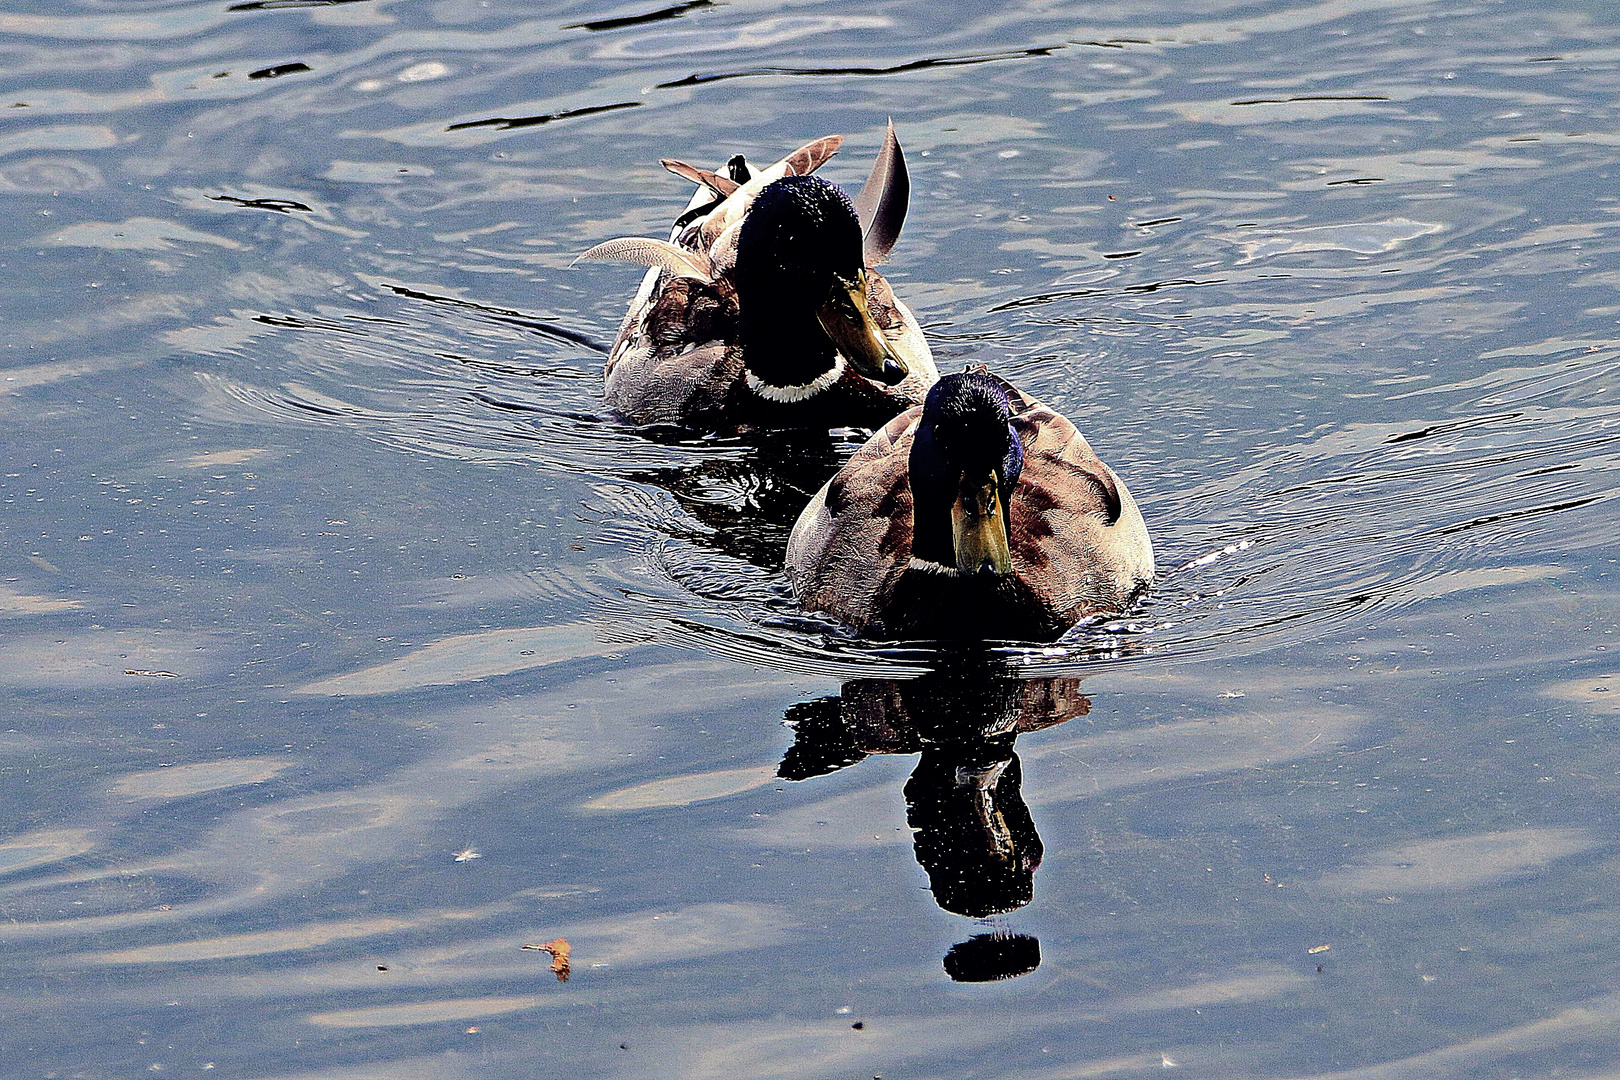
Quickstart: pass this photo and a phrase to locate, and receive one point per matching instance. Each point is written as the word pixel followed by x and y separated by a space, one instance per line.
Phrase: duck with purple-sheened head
pixel 982 514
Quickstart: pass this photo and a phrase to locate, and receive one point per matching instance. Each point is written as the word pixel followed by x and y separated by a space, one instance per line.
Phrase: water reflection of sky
pixel 320 566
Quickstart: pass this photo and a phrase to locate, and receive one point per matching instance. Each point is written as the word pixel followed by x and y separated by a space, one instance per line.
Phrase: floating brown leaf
pixel 559 951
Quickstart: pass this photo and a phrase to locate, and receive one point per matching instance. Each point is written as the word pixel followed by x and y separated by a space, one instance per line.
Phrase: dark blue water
pixel 348 647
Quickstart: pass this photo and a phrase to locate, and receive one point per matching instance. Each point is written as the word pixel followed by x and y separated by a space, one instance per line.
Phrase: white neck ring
pixel 787 395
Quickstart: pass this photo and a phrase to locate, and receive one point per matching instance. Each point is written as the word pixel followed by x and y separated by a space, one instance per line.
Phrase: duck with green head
pixel 980 515
pixel 763 309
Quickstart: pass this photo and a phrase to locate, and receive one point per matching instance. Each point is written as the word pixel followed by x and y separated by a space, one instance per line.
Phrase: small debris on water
pixel 559 950
pixel 278 71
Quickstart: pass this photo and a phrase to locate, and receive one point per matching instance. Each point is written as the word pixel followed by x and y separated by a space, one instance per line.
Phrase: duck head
pixel 965 460
pixel 801 289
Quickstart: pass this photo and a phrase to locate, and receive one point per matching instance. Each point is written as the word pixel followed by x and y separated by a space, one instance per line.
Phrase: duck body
pixel 763 309
pixel 981 515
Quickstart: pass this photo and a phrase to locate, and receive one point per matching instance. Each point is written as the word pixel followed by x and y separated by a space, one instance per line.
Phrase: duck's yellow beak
pixel 979 529
pixel 846 319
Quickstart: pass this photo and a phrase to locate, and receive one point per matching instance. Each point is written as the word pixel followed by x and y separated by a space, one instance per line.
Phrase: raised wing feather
pixel 645 251
pixel 805 159
pixel 812 155
pixel 721 185
pixel 883 200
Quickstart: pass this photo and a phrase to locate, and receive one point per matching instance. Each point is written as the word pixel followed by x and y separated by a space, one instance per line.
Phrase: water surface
pixel 349 647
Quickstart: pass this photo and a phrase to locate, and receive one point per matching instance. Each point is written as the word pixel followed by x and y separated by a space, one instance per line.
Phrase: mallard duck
pixel 982 514
pixel 762 310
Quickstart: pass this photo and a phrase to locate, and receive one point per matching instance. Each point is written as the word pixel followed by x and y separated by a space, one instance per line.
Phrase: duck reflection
pixel 972 831
pixel 752 499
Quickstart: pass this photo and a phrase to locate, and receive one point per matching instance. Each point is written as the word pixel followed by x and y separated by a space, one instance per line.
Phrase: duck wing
pixel 673 362
pixel 853 540
pixel 1078 539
